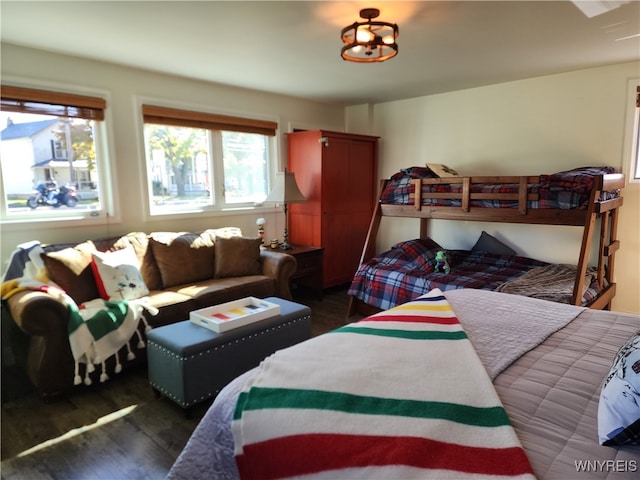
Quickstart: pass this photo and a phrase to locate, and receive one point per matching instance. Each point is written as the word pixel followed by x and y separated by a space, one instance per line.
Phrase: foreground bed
pixel 550 392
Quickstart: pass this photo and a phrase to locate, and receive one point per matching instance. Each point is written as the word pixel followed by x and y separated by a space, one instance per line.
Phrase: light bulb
pixel 388 39
pixel 364 35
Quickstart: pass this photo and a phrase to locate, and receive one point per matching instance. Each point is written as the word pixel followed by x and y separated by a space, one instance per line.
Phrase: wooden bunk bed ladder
pixel 607 212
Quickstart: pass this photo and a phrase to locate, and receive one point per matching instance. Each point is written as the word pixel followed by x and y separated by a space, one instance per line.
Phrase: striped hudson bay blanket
pixel 401 394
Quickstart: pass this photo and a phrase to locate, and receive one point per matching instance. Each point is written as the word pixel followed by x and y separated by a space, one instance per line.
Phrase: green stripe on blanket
pixel 265 398
pixel 408 334
pixel 103 322
pixel 369 401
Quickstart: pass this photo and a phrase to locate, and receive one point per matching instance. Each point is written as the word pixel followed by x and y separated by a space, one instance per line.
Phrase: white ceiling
pixel 293 47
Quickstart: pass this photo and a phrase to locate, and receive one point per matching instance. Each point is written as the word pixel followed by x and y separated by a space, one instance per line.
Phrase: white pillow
pixel 117 275
pixel 619 406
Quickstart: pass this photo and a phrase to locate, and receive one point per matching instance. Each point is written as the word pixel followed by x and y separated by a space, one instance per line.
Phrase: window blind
pixel 28 100
pixel 209 121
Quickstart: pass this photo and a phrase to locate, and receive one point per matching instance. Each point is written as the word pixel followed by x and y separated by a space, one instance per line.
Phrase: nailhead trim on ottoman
pixel 190 364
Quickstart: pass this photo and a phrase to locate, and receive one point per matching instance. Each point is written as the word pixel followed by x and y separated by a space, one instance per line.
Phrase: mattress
pixel 550 393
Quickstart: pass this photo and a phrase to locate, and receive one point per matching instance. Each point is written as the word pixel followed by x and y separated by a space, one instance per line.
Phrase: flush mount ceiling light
pixel 369 41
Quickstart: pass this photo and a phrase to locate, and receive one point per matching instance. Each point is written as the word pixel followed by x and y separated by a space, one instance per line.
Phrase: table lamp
pixel 285 191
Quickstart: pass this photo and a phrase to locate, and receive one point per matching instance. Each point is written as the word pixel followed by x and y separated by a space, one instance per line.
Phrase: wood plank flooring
pixel 117 430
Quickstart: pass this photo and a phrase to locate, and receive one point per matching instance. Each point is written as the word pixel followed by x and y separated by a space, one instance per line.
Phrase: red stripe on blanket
pixel 413 319
pixel 314 453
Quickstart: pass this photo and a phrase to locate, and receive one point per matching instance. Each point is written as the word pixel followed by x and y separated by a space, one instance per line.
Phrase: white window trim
pixel 632 123
pixel 110 212
pixel 215 210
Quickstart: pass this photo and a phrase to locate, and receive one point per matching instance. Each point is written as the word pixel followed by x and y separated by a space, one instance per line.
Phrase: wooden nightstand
pixel 309 271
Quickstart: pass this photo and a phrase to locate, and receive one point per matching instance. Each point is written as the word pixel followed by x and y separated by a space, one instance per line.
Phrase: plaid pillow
pixel 418 254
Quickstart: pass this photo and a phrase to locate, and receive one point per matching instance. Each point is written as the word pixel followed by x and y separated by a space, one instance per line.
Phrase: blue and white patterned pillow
pixel 619 406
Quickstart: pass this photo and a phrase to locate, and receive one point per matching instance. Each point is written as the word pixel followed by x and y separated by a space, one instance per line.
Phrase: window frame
pixel 76 102
pixel 154 111
pixel 631 147
pixel 635 149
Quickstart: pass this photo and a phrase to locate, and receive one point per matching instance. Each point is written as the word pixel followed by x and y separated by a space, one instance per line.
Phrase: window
pixel 198 161
pixel 51 161
pixel 635 151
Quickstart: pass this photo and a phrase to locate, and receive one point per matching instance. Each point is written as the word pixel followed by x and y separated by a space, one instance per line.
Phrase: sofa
pixel 174 273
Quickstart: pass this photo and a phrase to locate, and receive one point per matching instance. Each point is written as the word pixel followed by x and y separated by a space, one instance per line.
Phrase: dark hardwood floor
pixel 117 430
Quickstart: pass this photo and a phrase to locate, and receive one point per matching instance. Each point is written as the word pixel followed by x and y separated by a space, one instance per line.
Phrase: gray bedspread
pixel 208 454
pixel 503 327
pixel 551 395
pixel 550 392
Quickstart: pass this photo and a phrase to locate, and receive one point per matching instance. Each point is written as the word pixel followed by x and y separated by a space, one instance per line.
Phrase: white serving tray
pixel 227 316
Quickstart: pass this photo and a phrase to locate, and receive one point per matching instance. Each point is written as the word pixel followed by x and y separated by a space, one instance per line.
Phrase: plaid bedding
pixel 564 190
pixel 406 271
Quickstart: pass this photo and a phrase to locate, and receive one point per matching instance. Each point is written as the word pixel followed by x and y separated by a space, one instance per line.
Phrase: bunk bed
pixel 586 197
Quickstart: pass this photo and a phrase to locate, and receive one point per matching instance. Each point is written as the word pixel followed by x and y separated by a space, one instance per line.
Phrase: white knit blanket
pixel 370 399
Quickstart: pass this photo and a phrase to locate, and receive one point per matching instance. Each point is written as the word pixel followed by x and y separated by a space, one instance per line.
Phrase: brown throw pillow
pixel 237 257
pixel 70 268
pixel 183 257
pixel 148 267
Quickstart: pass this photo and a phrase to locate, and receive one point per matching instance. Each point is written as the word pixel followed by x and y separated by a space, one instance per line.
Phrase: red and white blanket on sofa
pixel 401 394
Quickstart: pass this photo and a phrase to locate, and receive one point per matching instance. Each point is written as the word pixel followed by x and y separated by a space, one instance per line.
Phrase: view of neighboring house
pixel 32 152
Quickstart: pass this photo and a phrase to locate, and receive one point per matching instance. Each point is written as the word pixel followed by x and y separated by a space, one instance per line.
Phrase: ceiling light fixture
pixel 370 41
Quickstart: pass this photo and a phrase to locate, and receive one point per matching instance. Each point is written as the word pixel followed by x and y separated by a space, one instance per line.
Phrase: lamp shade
pixel 285 190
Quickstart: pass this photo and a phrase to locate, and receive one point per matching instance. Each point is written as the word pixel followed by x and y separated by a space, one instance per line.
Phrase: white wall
pixel 539 125
pixel 28 67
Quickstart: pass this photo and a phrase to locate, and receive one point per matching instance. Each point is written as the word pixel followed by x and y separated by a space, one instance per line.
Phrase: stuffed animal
pixel 441 262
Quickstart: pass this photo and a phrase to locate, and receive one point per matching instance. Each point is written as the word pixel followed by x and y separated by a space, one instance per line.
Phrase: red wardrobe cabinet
pixel 336 172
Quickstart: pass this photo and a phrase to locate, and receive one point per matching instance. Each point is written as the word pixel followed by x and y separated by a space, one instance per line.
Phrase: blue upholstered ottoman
pixel 189 363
